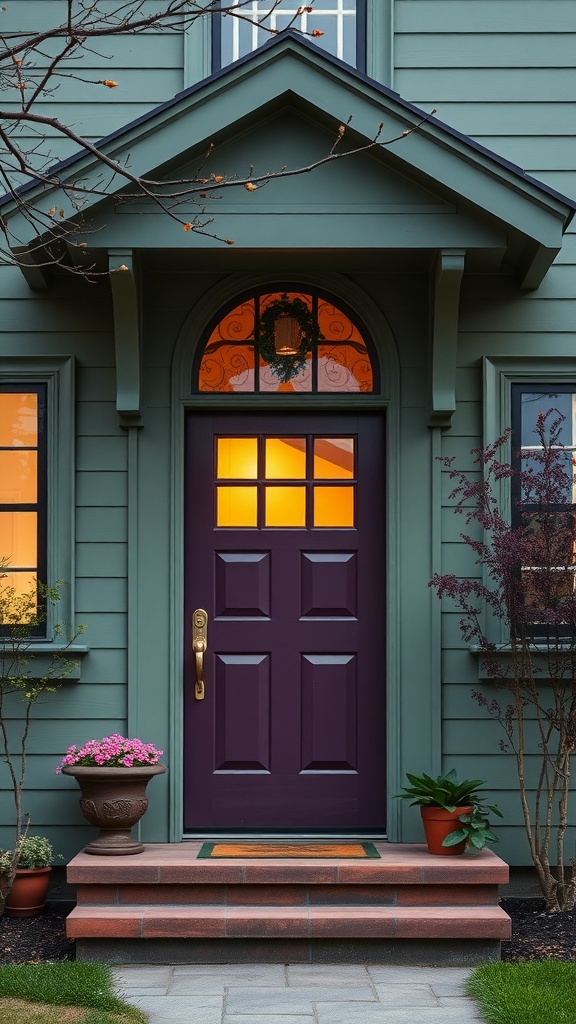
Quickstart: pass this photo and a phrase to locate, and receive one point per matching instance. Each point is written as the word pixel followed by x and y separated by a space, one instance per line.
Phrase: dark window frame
pixel 520 508
pixel 361 40
pixel 41 504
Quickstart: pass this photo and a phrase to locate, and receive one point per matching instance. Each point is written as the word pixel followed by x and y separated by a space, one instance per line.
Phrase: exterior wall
pixel 498 70
pixel 502 73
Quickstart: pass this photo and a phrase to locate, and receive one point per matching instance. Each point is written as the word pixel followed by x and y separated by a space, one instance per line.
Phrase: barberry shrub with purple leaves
pixel 528 590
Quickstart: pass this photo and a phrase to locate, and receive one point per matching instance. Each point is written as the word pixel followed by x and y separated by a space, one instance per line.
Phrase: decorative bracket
pixel 125 299
pixel 444 342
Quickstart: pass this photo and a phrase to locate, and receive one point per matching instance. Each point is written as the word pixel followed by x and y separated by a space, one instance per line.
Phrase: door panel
pixel 284 548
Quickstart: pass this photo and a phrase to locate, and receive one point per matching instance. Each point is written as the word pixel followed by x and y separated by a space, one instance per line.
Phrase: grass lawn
pixel 62 993
pixel 526 993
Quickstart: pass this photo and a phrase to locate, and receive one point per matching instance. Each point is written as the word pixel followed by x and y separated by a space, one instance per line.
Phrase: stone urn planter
pixel 438 824
pixel 114 799
pixel 27 896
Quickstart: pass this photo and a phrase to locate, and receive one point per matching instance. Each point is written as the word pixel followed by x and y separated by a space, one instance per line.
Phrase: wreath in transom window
pixel 287 366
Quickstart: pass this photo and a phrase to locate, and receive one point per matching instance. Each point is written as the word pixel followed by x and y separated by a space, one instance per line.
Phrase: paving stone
pixel 326 975
pixel 142 977
pixel 291 1000
pixel 181 1009
pixel 267 1018
pixel 252 975
pixel 419 975
pixel 360 1013
pixel 406 995
pixel 448 988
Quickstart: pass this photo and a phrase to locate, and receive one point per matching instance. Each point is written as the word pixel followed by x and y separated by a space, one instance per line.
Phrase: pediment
pixel 430 189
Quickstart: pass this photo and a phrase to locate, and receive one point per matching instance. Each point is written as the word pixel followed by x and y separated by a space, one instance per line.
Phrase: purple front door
pixel 284 549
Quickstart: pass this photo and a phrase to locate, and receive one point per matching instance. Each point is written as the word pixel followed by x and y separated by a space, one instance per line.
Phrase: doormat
pixel 262 850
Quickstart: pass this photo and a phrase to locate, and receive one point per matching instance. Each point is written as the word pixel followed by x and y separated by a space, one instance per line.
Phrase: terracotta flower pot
pixel 114 799
pixel 438 824
pixel 27 897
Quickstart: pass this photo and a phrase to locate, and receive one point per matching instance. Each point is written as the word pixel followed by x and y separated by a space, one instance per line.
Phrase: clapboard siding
pixel 485 50
pixel 486 16
pixel 432 85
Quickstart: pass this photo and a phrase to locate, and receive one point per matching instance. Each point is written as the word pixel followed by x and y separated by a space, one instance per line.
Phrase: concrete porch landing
pixel 167 906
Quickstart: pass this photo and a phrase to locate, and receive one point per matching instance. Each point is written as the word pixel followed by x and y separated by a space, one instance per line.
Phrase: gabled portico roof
pixel 433 189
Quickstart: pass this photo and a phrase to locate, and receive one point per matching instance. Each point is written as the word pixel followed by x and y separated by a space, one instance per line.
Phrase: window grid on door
pixel 285 482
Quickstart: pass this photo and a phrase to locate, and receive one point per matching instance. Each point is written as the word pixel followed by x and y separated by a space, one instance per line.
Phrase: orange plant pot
pixel 27 897
pixel 438 824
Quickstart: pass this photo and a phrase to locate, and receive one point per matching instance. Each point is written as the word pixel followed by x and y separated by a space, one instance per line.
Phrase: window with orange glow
pixel 22 485
pixel 232 358
pixel 298 482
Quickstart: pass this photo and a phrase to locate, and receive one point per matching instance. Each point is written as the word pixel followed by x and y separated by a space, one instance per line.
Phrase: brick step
pixel 284 895
pixel 399 864
pixel 200 921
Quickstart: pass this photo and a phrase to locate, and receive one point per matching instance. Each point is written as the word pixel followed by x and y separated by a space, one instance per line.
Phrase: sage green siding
pixel 501 71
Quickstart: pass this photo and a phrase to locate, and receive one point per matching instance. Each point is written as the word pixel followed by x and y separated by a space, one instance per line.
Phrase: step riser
pixel 288 895
pixel 167 905
pixel 293 922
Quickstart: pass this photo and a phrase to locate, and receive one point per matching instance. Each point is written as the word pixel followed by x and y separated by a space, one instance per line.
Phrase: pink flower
pixel 113 751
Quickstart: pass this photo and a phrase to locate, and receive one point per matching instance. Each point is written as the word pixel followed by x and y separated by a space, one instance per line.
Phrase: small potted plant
pixel 113 774
pixel 454 812
pixel 31 863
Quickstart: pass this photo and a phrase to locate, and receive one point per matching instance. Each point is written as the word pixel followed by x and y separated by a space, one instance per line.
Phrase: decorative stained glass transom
pixel 239 357
pixel 334 21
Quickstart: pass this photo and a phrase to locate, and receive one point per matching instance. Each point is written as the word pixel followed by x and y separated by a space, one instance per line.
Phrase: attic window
pixel 239 354
pixel 341 23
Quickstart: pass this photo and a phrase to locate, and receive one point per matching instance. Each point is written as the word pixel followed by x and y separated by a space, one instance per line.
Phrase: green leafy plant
pixel 32 852
pixel 449 792
pixel 474 828
pixel 21 687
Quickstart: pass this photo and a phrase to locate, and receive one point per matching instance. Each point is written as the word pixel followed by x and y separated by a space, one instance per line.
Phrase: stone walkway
pixel 298 994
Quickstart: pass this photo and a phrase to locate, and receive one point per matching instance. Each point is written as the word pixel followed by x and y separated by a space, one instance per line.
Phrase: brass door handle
pixel 199 646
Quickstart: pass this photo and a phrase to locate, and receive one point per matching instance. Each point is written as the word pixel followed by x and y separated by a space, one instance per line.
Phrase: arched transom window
pixel 289 341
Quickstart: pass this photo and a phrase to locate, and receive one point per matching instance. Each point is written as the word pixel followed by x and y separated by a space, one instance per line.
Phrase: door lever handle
pixel 199 647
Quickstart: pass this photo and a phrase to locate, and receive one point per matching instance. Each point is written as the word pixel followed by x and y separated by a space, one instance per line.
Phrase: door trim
pixel 183 403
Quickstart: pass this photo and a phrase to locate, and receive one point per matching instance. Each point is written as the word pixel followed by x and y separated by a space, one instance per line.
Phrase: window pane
pixel 18 420
pixel 300 381
pixel 237 458
pixel 333 458
pixel 18 538
pixel 333 506
pixel 241 355
pixel 227 368
pixel 285 458
pixel 21 583
pixel 335 19
pixel 285 506
pixel 18 477
pixel 237 506
pixel 551 491
pixel 534 404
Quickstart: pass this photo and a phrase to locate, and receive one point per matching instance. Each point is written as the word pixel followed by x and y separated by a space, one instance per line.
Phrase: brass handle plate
pixel 199 646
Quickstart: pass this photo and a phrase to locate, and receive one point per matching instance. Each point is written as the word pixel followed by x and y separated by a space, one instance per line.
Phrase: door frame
pixel 184 402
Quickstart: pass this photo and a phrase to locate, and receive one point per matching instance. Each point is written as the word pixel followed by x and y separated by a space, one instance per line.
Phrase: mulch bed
pixel 539 936
pixel 535 935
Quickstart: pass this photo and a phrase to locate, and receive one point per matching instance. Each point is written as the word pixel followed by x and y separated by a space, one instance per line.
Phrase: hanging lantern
pixel 286 336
